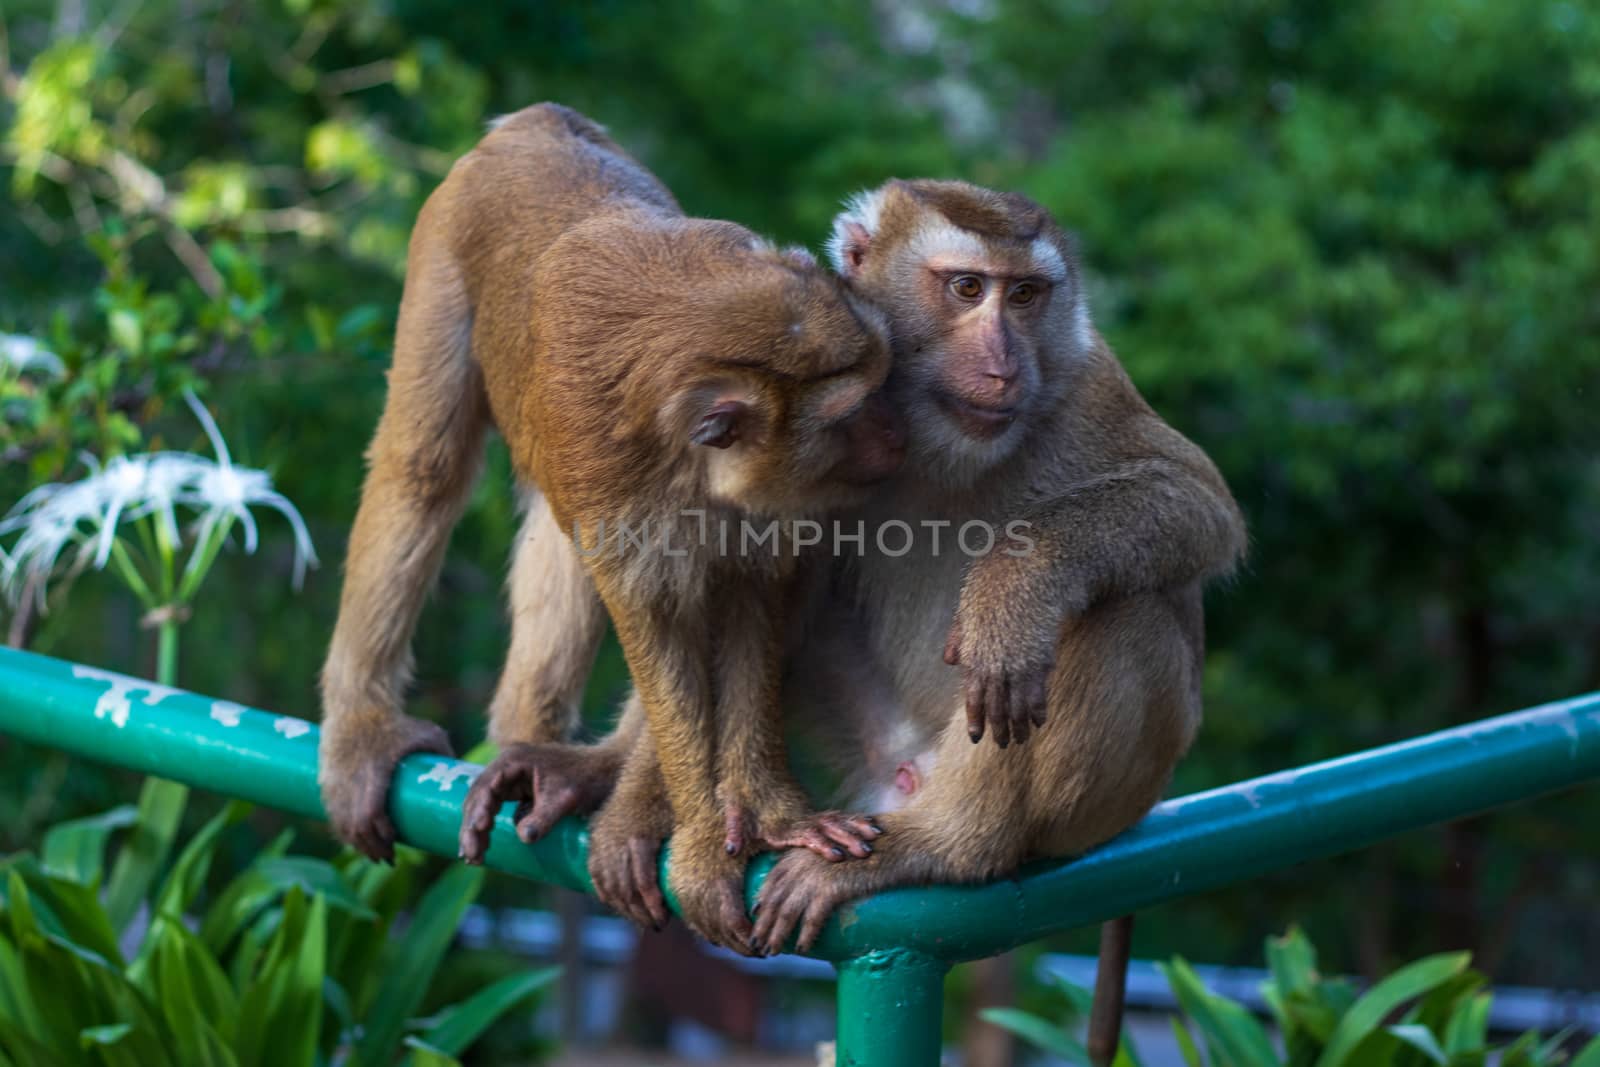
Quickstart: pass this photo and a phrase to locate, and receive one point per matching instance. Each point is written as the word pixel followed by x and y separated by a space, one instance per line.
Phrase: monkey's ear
pixel 853 230
pixel 722 424
pixel 850 243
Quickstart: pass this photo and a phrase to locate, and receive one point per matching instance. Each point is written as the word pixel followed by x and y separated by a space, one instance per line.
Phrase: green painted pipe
pixel 1185 846
pixel 889 1005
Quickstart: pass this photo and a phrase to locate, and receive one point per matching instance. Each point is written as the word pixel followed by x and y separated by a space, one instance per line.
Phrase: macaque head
pixel 788 407
pixel 984 298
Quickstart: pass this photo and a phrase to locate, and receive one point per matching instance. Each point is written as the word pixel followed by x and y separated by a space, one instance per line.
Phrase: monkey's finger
pixel 769 910
pixel 546 810
pixel 471 844
pixel 994 702
pixel 1038 691
pixel 734 926
pixel 976 716
pixel 734 843
pixel 952 644
pixel 380 836
pixel 843 835
pixel 864 826
pixel 642 859
pixel 816 916
pixel 1017 711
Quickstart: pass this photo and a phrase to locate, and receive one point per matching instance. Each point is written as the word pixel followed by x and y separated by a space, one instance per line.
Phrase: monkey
pixel 643 368
pixel 1078 661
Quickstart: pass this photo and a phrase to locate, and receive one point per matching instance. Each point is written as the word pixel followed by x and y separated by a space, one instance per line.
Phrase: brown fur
pixel 638 363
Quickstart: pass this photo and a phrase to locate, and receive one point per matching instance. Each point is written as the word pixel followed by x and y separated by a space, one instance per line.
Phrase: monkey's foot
pixel 712 903
pixel 801 892
pixel 548 782
pixel 833 835
pixel 627 877
pixel 356 766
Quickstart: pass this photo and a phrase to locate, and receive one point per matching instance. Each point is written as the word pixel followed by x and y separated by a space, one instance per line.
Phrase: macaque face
pixel 985 314
pixel 804 425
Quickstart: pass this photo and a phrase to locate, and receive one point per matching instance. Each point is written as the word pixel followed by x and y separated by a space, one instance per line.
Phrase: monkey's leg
pixel 557 622
pixel 670 672
pixel 1124 702
pixel 763 807
pixel 422 464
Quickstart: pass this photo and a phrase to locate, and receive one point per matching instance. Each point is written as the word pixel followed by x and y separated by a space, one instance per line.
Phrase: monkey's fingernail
pixel 975 735
pixel 867 847
pixel 837 851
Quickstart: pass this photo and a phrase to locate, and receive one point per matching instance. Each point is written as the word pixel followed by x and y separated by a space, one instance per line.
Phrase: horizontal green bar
pixel 1184 846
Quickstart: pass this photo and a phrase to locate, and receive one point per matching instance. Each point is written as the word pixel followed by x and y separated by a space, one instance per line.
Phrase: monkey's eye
pixel 967 287
pixel 1024 294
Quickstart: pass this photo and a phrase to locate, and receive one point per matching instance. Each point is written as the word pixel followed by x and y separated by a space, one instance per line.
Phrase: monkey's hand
pixel 356 761
pixel 709 886
pixel 624 849
pixel 1005 684
pixel 773 825
pixel 800 892
pixel 548 782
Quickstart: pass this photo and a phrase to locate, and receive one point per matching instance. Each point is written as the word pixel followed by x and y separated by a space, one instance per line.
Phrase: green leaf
pixel 1368 1013
pixel 76 849
pixel 414 959
pixel 1040 1033
pixel 456 1028
pixel 1191 1055
pixel 1589 1056
pixel 280 1017
pixel 188 875
pixel 1232 1034
pixel 242 899
pixel 1292 961
pixel 161 805
pixel 1468 1029
pixel 425 1055
pixel 1421 1039
pixel 314 876
pixel 194 994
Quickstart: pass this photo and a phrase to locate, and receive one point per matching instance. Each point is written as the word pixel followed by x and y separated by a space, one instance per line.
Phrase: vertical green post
pixel 890 1005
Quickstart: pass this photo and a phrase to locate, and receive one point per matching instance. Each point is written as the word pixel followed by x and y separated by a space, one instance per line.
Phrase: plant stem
pixel 167 653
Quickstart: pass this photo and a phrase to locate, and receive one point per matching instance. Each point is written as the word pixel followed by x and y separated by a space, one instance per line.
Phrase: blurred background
pixel 1352 250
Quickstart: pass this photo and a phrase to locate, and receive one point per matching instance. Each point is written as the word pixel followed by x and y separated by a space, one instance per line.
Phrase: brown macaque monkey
pixel 646 369
pixel 1080 657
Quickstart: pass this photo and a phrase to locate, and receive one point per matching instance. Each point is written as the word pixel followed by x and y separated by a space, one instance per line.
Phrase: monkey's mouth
pixel 976 420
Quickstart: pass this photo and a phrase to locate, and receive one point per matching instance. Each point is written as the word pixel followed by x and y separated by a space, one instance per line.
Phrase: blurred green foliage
pixel 246 979
pixel 1430 1011
pixel 1350 249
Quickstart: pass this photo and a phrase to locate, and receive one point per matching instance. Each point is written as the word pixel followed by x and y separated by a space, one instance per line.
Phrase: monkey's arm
pixel 1157 517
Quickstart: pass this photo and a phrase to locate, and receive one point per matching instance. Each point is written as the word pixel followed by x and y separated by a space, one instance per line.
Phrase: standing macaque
pixel 647 371
pixel 993 707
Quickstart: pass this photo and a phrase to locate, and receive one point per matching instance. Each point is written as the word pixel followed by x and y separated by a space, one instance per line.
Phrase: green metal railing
pixel 891 951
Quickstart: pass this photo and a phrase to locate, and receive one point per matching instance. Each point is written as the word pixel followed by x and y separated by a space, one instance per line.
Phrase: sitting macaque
pixel 1000 707
pixel 646 370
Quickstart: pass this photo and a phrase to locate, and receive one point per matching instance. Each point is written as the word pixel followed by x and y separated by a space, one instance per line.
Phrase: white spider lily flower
pixel 23 353
pixel 88 512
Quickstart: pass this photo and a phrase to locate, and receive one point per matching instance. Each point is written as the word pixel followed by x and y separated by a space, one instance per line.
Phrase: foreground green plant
pixel 296 962
pixel 1432 1011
